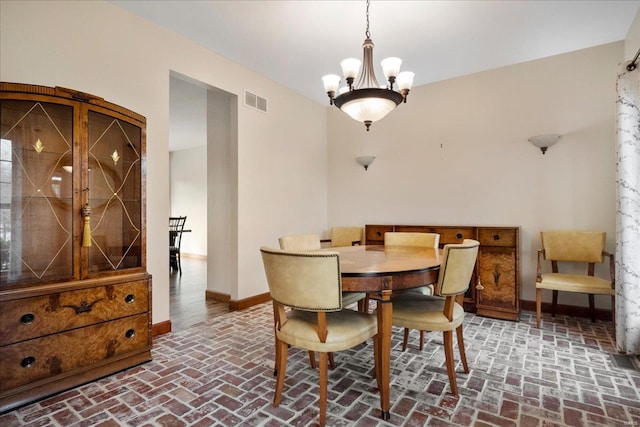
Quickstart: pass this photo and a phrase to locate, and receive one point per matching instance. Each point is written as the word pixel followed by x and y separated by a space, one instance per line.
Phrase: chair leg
pixel 312 359
pixel 332 363
pixel 554 303
pixel 405 339
pixel 179 263
pixel 463 354
pixel 281 367
pixel 448 354
pixel 613 311
pixel 421 340
pixel 323 389
pixel 592 308
pixel 376 355
pixel 538 306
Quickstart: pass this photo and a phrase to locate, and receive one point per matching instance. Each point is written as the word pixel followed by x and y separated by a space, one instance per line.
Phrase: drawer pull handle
pixel 27 318
pixel 28 362
pixel 129 298
pixel 496 237
pixel 130 333
pixel 459 235
pixel 378 233
pixel 84 306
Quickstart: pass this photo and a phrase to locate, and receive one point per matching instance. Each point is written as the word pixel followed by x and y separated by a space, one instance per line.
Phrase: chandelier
pixel 367 101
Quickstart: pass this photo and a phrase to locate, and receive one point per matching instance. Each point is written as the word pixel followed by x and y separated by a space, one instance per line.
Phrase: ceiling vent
pixel 254 101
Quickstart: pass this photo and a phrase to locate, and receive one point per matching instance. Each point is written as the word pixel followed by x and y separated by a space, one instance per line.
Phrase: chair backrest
pixel 176 225
pixel 302 280
pixel 345 236
pixel 300 242
pixel 573 246
pixel 456 269
pixel 423 240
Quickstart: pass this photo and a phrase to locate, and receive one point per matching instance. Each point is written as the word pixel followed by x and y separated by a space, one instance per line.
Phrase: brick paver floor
pixel 220 373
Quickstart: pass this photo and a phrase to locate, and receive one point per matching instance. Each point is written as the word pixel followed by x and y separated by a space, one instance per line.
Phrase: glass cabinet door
pixel 36 192
pixel 114 193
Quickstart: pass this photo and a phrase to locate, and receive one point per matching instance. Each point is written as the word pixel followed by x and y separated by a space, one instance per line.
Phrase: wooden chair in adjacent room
pixel 443 311
pixel 176 227
pixel 575 248
pixel 310 284
pixel 423 240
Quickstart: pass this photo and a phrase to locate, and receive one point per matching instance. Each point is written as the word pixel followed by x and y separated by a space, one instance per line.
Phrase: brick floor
pixel 220 373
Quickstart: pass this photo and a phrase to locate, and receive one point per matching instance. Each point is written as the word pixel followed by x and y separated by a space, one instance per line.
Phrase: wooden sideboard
pixel 495 285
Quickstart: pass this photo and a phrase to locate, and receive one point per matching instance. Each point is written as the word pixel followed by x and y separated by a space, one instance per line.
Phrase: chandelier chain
pixel 367 34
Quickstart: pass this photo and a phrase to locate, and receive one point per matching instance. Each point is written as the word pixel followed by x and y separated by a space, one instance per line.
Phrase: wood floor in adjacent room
pixel 188 305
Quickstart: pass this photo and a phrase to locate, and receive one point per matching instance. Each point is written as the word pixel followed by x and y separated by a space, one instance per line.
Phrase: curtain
pixel 628 213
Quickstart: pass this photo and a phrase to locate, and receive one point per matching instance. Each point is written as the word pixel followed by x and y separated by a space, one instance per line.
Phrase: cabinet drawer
pixel 375 234
pixel 454 234
pixel 497 237
pixel 413 229
pixel 56 354
pixel 28 318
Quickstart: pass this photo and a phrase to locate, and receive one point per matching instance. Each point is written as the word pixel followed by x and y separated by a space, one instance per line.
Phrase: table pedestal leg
pixel 384 313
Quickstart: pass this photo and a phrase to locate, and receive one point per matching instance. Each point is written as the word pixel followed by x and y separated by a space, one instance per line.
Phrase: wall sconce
pixel 543 142
pixel 365 161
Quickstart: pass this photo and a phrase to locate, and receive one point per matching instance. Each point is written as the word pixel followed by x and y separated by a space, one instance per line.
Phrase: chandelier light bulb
pixel 350 67
pixel 391 67
pixel 331 82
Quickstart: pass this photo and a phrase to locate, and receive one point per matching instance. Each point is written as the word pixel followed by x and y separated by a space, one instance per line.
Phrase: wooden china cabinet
pixel 75 296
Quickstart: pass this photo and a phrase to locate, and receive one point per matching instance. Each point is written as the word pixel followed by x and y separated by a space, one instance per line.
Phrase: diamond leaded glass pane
pixel 114 193
pixel 36 192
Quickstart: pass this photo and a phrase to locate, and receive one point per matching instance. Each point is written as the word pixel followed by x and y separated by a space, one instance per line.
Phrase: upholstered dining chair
pixel 345 236
pixel 310 284
pixel 443 311
pixel 575 248
pixel 176 227
pixel 311 242
pixel 423 240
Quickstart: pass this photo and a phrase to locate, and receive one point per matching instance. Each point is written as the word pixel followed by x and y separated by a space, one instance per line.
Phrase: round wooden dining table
pixel 379 270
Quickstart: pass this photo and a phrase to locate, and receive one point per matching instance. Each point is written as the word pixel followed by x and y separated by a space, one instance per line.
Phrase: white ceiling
pixel 296 42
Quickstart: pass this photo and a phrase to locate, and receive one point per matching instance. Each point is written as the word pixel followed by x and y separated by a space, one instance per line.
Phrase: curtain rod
pixel 632 65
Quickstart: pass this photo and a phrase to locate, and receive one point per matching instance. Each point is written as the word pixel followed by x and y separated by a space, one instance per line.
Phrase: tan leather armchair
pixel 444 311
pixel 574 247
pixel 310 283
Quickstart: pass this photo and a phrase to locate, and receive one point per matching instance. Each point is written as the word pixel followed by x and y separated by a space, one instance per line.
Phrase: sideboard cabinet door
pixel 498 269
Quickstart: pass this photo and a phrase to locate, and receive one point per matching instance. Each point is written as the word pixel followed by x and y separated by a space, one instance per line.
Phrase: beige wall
pixel 457 153
pixel 101 49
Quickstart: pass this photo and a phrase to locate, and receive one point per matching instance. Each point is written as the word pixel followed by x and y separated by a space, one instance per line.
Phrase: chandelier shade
pixel 366 101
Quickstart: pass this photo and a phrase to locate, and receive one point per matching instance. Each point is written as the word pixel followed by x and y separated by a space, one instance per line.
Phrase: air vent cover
pixel 254 101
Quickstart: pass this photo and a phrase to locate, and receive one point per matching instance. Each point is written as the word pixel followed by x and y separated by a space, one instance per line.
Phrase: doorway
pixel 201 125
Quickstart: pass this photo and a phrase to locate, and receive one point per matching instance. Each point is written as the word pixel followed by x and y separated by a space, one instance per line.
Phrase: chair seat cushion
pixel 346 329
pixel 424 313
pixel 576 283
pixel 349 298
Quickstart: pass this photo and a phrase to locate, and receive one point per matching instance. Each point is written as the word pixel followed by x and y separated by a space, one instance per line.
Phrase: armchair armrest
pixel 612 267
pixel 539 267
